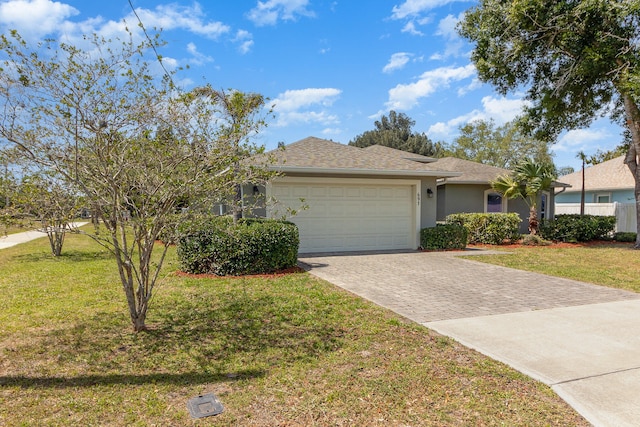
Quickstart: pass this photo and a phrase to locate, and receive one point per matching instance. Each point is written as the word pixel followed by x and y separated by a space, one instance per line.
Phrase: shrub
pixel 443 237
pixel 625 237
pixel 215 245
pixel 491 229
pixel 577 228
pixel 534 240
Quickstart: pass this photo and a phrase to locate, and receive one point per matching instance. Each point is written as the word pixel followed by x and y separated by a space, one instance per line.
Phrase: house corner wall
pixel 428 205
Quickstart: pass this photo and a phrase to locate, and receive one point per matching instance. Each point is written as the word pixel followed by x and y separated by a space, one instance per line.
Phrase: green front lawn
pixel 291 350
pixel 608 264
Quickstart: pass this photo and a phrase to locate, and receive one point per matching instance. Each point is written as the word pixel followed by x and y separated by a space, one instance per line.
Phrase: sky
pixel 330 68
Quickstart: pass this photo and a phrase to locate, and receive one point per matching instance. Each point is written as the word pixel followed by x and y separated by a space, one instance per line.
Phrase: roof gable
pixel 316 155
pixel 471 172
pixel 610 175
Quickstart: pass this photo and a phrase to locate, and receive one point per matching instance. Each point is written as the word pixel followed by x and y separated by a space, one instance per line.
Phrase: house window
pixel 493 202
pixel 603 198
pixel 544 200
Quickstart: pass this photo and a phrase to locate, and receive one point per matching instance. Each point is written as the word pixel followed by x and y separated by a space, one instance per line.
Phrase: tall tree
pixel 501 146
pixel 239 119
pixel 579 59
pixel 395 131
pixel 528 180
pixel 124 138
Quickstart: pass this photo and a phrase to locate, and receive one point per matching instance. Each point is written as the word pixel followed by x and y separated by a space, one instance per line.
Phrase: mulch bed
pixel 559 245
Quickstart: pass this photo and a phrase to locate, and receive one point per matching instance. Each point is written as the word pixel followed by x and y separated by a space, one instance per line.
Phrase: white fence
pixel 625 213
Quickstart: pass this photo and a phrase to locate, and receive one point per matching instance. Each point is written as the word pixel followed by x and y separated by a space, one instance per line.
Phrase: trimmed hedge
pixel 577 228
pixel 488 228
pixel 625 236
pixel 214 245
pixel 443 237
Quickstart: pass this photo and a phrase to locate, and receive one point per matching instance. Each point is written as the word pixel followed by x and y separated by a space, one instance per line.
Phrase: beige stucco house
pixel 357 199
pixel 376 198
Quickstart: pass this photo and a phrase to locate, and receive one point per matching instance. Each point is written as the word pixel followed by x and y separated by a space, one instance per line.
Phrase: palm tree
pixel 528 180
pixel 582 157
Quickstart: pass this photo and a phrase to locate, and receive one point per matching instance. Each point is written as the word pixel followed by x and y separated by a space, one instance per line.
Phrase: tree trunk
pixel 633 124
pixel 582 191
pixel 237 204
pixel 533 220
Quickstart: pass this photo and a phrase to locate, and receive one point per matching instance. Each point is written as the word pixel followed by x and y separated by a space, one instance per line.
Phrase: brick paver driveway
pixel 430 286
pixel 579 339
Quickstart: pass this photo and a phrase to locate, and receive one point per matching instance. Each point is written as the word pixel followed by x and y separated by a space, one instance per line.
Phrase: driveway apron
pixel 578 338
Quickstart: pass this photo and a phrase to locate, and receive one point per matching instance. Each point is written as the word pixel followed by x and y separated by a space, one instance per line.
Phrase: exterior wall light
pixel 429 193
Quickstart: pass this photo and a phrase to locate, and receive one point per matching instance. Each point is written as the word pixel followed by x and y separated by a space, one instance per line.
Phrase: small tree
pixel 528 181
pixel 128 141
pixel 51 203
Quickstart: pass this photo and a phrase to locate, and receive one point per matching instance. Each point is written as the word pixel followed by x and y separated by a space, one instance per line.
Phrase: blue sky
pixel 330 67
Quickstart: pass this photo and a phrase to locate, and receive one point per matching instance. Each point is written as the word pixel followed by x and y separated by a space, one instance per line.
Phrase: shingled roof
pixel 388 151
pixel 321 156
pixel 610 175
pixel 471 172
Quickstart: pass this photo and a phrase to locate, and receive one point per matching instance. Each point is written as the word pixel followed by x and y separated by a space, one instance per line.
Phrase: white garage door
pixel 350 215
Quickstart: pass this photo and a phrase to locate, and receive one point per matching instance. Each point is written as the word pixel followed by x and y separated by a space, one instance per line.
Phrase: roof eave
pixel 363 171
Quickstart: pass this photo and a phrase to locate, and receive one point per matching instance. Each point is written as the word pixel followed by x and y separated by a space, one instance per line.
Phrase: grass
pixel 283 351
pixel 608 264
pixel 19 227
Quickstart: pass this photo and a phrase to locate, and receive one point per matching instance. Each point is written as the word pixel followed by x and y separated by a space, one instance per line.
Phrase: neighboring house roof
pixel 471 172
pixel 320 156
pixel 610 175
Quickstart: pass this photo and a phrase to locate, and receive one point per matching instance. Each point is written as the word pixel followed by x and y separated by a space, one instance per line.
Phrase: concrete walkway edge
pixel 26 236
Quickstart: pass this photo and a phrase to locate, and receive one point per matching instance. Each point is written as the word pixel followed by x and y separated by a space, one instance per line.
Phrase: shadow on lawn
pixel 185 379
pixel 70 255
pixel 196 337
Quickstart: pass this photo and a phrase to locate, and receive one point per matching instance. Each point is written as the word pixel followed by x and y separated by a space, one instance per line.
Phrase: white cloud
pixel 306 106
pixel 453 43
pixel 406 96
pixel 34 18
pixel 416 7
pixel 410 27
pixel 190 18
pixel 245 39
pixel 587 140
pixel 270 11
pixel 397 62
pixel 198 57
pixel 475 84
pixel 332 131
pixel 447 27
pixel 501 110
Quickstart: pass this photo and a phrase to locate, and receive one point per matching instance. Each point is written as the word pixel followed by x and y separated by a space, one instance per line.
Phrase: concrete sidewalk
pixel 580 339
pixel 27 236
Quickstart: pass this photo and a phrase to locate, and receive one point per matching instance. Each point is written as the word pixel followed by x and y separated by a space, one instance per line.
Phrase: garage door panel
pixel 348 217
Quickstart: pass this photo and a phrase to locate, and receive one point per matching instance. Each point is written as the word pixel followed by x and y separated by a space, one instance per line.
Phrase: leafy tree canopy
pixel 577 61
pixel 502 146
pixel 395 131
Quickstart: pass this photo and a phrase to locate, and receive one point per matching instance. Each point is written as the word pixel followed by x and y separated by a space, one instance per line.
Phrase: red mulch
pixel 560 245
pixel 279 273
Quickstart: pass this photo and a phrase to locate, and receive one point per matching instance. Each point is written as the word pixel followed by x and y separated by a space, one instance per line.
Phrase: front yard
pixel 288 351
pixel 603 263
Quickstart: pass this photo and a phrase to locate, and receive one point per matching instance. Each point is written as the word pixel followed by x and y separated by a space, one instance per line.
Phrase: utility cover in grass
pixel 204 405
